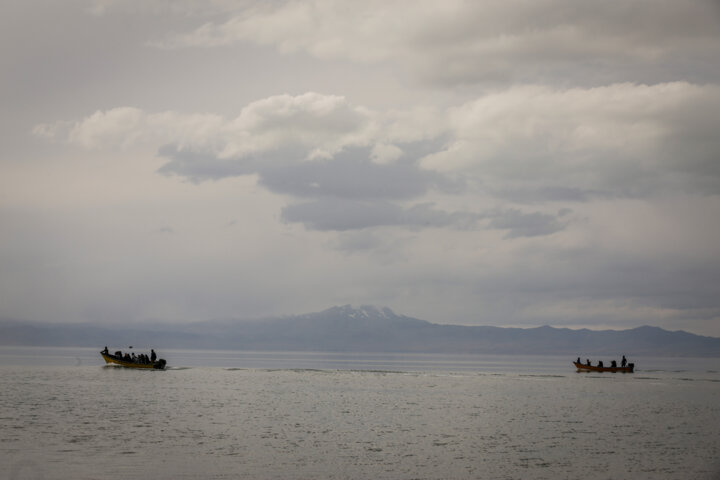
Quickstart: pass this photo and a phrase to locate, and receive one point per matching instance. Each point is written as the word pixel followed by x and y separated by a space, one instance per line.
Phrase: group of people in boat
pixel 142 358
pixel 613 364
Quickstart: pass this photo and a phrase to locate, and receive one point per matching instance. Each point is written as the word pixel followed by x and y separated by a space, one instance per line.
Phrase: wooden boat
pixel 159 364
pixel 630 368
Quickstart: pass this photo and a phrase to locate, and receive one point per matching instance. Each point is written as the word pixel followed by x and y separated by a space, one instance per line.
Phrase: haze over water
pixel 310 415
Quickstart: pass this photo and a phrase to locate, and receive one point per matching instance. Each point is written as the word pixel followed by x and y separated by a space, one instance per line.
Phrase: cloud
pixel 321 124
pixel 304 145
pixel 456 42
pixel 201 165
pixel 318 125
pixel 384 153
pixel 343 215
pixel 520 224
pixel 625 134
pixel 529 144
pixel 183 8
pixel 128 127
pixel 526 144
pixel 352 174
pixel 540 142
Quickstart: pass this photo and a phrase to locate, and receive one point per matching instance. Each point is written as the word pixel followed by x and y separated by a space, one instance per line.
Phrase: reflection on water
pixel 296 415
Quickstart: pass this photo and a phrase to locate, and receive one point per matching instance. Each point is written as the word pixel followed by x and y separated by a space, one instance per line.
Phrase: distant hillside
pixel 364 329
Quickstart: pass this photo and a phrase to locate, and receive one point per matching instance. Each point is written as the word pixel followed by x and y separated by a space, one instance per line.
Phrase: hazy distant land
pixel 364 329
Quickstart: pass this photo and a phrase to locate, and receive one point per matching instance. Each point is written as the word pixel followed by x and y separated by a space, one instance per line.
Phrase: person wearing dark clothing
pixel 153 357
pixel 623 362
pixel 613 364
pixel 588 362
pixel 105 351
pixel 600 364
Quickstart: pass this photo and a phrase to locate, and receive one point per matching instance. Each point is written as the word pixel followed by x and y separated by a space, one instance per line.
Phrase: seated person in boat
pixel 587 362
pixel 613 364
pixel 600 363
pixel 106 350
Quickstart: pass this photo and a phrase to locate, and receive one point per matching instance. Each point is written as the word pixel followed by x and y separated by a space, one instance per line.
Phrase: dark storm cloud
pixel 547 194
pixel 342 215
pixel 349 174
pixel 519 224
pixel 350 192
pixel 199 166
pixel 352 175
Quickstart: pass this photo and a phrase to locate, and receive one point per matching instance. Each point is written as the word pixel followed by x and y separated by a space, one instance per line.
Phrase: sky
pixel 510 163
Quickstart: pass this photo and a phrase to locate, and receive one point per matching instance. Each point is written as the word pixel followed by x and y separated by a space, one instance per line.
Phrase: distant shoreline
pixel 365 330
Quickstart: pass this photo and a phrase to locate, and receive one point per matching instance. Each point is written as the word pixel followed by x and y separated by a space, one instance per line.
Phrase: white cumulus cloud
pixel 621 138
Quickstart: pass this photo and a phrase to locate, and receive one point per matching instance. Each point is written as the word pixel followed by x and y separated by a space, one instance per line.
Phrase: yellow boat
pixel 630 368
pixel 158 364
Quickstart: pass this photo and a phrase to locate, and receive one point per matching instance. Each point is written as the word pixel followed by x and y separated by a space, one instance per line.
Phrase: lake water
pixel 260 415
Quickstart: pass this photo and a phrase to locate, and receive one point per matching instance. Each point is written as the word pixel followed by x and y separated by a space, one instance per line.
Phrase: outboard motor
pixel 632 367
pixel 160 364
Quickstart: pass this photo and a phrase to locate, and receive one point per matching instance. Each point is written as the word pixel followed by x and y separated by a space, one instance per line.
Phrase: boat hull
pixel 591 368
pixel 113 360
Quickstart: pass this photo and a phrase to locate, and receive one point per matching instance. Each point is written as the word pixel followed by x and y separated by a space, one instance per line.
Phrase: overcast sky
pixel 509 163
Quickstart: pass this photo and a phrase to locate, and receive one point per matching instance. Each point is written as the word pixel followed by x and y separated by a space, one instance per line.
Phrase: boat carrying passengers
pixel 613 363
pixel 142 358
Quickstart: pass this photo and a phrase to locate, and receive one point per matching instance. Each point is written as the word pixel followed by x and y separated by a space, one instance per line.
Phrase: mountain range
pixel 362 329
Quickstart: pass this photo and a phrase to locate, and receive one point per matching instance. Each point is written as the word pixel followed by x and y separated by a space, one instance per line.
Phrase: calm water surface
pixel 259 415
